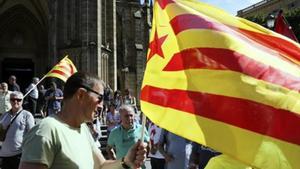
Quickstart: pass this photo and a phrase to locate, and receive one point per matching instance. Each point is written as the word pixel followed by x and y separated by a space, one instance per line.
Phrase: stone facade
pixel 267 7
pixel 105 37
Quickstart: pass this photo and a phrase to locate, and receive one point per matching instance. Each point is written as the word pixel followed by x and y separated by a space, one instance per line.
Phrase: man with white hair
pixel 17 122
pixel 125 135
pixel 33 95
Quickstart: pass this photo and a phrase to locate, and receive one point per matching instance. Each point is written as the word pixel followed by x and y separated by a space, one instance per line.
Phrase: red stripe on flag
pixel 65 67
pixel 185 22
pixel 245 114
pixel 59 73
pixel 71 69
pixel 197 58
pixel 280 45
pixel 164 3
pixel 189 21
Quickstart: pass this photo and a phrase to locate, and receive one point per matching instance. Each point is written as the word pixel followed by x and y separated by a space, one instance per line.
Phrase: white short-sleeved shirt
pixel 16 132
pixel 34 93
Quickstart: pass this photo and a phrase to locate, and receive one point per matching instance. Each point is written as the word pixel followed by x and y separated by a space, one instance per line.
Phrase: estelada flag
pixel 62 70
pixel 224 82
pixel 283 27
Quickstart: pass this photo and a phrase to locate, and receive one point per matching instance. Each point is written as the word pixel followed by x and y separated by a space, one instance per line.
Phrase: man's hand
pixel 136 155
pixel 193 166
pixel 168 158
pixel 153 149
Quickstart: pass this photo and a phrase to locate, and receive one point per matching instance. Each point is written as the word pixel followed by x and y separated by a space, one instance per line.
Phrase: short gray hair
pixel 17 94
pixel 78 80
pixel 126 107
pixel 4 84
pixel 35 79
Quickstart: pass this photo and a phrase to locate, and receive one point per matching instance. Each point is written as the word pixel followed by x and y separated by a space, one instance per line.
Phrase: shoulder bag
pixel 4 131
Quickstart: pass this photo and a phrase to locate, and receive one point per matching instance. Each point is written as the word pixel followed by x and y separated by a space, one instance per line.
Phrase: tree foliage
pixel 259 19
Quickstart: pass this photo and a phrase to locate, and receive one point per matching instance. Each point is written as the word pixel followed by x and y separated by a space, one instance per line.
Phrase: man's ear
pixel 80 93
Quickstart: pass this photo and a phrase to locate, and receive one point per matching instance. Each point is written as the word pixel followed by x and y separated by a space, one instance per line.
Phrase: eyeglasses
pixel 100 96
pixel 14 99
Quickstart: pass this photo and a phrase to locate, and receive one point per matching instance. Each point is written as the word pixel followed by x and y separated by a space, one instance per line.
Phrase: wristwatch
pixel 124 165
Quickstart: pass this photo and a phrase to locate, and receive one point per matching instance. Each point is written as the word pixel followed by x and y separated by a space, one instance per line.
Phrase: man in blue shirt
pixel 53 96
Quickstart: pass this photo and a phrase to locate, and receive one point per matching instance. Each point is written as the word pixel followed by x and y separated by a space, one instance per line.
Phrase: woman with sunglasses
pixel 63 141
pixel 17 122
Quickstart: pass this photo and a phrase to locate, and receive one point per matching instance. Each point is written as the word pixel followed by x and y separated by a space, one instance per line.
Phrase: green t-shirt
pixel 122 139
pixel 59 146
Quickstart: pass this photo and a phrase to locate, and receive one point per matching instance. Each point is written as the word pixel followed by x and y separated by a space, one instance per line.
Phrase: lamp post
pixel 270 21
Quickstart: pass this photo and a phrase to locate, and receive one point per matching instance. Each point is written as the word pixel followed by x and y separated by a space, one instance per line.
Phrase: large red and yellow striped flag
pixel 224 82
pixel 63 70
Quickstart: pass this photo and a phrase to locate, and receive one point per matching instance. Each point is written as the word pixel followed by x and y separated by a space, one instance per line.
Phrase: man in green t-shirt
pixel 63 141
pixel 125 135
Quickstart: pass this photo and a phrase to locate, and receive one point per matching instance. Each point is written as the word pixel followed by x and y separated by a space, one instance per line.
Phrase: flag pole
pixel 34 86
pixel 143 127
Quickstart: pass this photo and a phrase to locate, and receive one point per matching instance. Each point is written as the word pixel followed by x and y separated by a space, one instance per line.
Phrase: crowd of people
pixel 73 125
pixel 38 100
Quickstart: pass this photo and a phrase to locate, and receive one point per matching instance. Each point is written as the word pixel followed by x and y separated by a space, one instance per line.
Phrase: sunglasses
pixel 100 96
pixel 18 100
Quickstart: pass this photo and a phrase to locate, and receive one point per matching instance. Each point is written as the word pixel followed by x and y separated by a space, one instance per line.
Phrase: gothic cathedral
pixel 105 37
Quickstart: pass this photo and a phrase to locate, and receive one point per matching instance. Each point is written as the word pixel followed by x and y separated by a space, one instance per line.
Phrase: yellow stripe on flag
pixel 226 83
pixel 55 75
pixel 245 144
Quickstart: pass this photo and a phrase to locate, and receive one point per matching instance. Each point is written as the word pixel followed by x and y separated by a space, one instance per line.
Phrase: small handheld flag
pixel 63 70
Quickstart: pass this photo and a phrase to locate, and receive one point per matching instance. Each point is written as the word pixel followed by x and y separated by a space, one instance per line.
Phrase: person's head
pixel 112 108
pixel 16 100
pixel 35 80
pixel 126 92
pixel 86 91
pixel 127 116
pixel 53 86
pixel 4 87
pixel 117 94
pixel 12 79
pixel 41 87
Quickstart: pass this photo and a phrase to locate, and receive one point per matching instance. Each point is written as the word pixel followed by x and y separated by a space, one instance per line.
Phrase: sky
pixel 231 6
